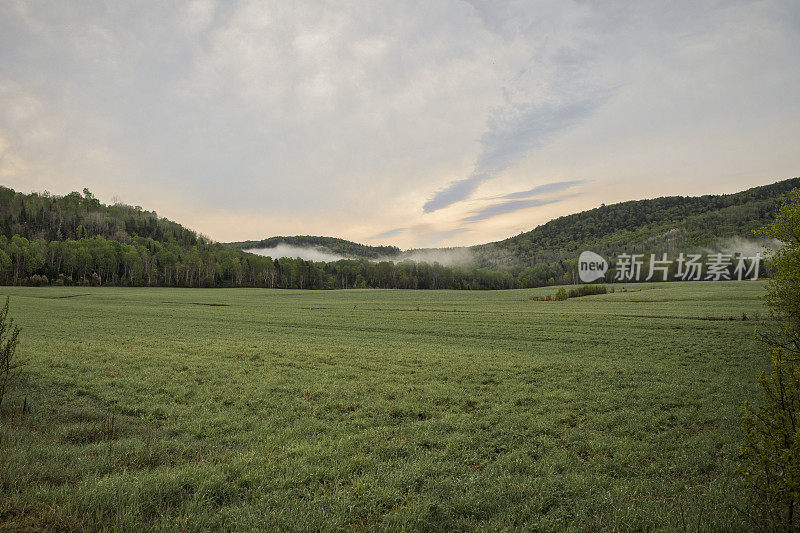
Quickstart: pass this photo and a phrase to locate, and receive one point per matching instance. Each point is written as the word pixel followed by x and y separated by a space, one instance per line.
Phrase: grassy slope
pixel 304 410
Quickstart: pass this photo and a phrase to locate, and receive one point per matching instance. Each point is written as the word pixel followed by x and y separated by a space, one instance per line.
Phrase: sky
pixel 430 123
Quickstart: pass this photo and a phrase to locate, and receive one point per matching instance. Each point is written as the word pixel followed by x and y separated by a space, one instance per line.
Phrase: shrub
pixel 37 281
pixel 562 293
pixel 771 451
pixel 587 290
pixel 9 338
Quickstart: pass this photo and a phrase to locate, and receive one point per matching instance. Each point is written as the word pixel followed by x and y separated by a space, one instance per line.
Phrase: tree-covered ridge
pixel 75 216
pixel 76 240
pixel 329 244
pixel 666 224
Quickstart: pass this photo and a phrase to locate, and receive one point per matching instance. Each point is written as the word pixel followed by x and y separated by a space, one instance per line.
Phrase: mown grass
pixel 193 410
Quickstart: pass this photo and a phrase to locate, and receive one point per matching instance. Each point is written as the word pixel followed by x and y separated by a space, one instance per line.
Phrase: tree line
pixel 147 262
pixel 77 240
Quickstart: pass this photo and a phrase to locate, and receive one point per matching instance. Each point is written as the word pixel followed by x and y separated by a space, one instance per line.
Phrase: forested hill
pixel 328 244
pixel 666 224
pixel 75 216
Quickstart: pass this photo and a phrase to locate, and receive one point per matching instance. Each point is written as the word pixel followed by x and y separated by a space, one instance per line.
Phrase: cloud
pixel 387 234
pixel 510 207
pixel 562 84
pixel 260 117
pixel 438 236
pixel 455 192
pixel 547 188
pixel 514 131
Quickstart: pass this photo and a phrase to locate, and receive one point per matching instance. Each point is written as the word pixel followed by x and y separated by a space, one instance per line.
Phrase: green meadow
pixel 250 409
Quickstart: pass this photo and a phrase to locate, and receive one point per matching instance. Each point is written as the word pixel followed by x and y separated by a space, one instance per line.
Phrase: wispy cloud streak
pixel 513 131
pixel 387 234
pixel 509 207
pixel 547 188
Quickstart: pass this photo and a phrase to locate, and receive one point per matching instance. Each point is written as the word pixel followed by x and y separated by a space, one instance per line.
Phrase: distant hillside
pixel 666 224
pixel 328 244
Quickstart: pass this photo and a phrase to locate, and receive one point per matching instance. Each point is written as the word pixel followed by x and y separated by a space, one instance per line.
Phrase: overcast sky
pixel 431 123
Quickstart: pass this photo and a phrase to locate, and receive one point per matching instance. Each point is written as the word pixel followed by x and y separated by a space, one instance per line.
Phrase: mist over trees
pixel 146 262
pixel 331 245
pixel 77 240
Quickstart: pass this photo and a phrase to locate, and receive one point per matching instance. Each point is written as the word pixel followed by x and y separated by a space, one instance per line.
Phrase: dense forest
pixel 146 262
pixel 77 240
pixel 74 216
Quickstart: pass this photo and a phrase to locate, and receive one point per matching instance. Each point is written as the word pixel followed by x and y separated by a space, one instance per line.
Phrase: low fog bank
pixel 293 252
pixel 749 247
pixel 448 257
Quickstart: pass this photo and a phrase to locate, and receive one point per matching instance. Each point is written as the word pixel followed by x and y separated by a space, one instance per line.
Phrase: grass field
pixel 238 409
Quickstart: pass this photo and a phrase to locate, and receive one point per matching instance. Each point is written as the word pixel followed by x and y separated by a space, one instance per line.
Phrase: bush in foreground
pixel 587 290
pixel 771 452
pixel 562 293
pixel 9 338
